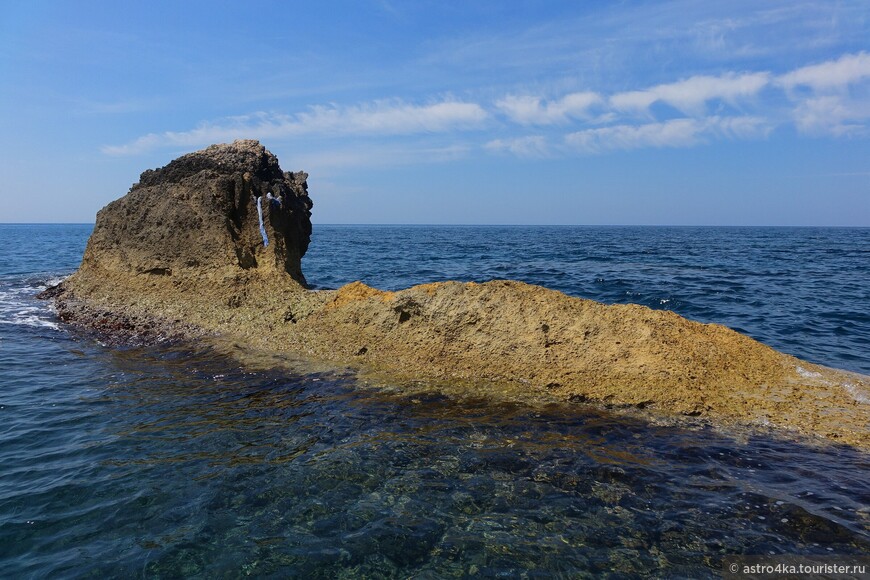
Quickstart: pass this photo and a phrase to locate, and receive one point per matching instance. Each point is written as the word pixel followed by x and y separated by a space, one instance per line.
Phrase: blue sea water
pixel 172 461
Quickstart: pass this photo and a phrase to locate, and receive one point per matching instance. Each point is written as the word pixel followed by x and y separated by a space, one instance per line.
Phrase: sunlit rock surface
pixel 186 254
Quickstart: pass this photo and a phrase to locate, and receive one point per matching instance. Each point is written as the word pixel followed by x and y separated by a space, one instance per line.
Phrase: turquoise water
pixel 173 461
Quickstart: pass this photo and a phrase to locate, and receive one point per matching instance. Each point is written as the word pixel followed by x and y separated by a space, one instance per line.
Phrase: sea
pixel 174 460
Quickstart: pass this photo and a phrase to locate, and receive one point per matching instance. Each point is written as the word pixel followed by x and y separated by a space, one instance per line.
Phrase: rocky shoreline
pixel 211 246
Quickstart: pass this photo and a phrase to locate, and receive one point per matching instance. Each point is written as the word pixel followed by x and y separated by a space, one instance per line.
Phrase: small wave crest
pixel 19 306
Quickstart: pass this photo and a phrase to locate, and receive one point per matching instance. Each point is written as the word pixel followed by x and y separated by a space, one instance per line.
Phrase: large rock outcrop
pixel 182 254
pixel 201 213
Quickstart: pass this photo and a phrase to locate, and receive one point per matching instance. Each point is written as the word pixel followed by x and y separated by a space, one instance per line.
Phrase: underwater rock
pixel 183 253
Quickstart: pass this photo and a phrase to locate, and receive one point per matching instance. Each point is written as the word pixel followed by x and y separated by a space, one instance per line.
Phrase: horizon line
pixel 508 225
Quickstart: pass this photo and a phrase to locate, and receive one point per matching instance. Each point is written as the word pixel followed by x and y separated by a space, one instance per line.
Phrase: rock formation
pixel 183 254
pixel 202 212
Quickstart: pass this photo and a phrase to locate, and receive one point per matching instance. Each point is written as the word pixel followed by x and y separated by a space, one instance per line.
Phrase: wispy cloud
pixel 528 146
pixel 831 75
pixel 531 110
pixel 690 96
pixel 377 118
pixel 831 98
pixel 378 156
pixel 674 133
pixel 388 118
pixel 603 43
pixel 827 99
pixel 684 132
pixel 753 30
pixel 739 127
pixel 833 115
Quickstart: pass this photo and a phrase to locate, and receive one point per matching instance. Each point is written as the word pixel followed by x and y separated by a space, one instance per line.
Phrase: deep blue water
pixel 174 461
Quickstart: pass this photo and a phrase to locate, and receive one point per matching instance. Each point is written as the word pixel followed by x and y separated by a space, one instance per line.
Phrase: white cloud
pixel 742 127
pixel 140 145
pixel 683 132
pixel 833 115
pixel 389 118
pixel 531 110
pixel 691 95
pixel 831 98
pixel 836 96
pixel 832 74
pixel 377 118
pixel 674 133
pixel 377 156
pixel 529 146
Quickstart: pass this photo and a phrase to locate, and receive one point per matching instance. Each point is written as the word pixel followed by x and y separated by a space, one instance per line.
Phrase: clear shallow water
pixel 173 461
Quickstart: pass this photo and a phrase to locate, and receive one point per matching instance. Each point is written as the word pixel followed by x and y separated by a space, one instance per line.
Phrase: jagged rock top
pixel 202 211
pixel 240 156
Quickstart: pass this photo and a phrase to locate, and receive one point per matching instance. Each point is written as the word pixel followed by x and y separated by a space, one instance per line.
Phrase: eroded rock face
pixel 200 212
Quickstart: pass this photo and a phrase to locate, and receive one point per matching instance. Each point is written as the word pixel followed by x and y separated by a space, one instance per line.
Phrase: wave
pixel 18 303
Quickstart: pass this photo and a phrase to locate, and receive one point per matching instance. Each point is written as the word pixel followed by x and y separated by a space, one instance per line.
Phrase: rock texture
pixel 199 213
pixel 182 255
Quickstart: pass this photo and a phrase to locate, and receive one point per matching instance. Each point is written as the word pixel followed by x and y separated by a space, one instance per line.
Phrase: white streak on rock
pixel 262 227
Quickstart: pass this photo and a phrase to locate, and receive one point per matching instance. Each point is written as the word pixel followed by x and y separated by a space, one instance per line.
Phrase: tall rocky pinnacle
pixel 229 205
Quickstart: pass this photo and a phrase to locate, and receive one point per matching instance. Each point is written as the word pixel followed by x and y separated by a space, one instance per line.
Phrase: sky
pixel 442 112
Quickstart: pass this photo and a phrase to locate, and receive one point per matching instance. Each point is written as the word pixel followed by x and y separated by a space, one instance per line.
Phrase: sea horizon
pixel 508 225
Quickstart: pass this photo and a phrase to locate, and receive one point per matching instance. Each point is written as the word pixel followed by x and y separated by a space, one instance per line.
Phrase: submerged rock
pixel 183 253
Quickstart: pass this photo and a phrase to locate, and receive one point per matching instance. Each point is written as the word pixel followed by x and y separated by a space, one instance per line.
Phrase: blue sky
pixel 681 113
